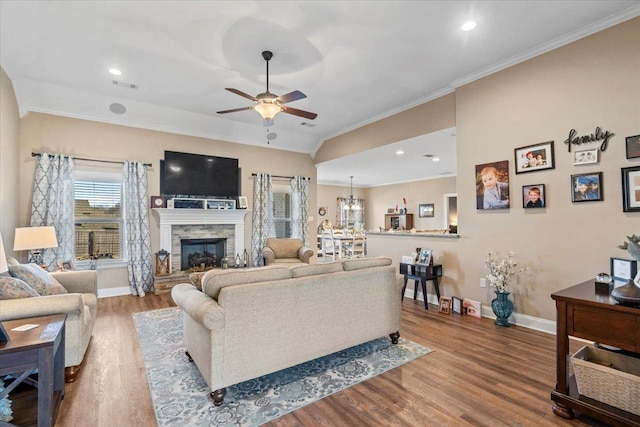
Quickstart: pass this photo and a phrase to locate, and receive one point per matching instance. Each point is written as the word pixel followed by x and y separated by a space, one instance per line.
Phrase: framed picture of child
pixel 586 187
pixel 492 185
pixel 535 157
pixel 533 196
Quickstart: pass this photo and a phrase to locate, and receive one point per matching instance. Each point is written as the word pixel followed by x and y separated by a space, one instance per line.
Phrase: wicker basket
pixel 608 377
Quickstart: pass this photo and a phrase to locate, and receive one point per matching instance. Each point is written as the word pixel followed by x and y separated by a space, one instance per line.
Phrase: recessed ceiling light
pixel 435 159
pixel 468 26
pixel 115 71
pixel 399 152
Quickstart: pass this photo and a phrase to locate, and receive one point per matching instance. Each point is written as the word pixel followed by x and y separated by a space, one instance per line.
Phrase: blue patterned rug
pixel 181 396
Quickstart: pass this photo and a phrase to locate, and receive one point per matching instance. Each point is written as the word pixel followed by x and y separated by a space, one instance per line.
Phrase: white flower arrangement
pixel 501 270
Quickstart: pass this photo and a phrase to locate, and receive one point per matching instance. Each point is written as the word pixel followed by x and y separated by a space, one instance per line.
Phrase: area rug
pixel 181 396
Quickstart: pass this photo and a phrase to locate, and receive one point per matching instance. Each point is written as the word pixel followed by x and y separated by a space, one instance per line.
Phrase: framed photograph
pixel 533 196
pixel 586 187
pixel 425 257
pixel 471 307
pixel 418 254
pixel 631 189
pixel 633 146
pixel 158 202
pixel 456 305
pixel 426 210
pixel 322 210
pixel 492 185
pixel 243 202
pixel 391 210
pixel 623 269
pixel 444 305
pixel 534 157
pixel 66 265
pixel 586 157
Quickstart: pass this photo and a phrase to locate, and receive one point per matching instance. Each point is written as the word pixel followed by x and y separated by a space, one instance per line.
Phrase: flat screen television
pixel 196 175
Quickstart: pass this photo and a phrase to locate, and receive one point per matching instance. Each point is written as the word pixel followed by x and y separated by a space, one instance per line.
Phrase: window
pixel 98 216
pixel 282 212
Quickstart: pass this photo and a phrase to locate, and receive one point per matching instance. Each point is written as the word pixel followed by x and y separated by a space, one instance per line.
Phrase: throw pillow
pixel 13 288
pixel 38 278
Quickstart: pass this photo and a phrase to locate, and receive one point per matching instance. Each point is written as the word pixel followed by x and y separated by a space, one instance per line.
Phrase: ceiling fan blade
pixel 241 93
pixel 301 113
pixel 292 96
pixel 235 110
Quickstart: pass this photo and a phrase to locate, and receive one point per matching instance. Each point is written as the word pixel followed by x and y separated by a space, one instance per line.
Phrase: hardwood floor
pixel 479 375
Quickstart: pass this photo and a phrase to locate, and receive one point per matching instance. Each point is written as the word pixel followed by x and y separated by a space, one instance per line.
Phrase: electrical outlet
pixel 483 282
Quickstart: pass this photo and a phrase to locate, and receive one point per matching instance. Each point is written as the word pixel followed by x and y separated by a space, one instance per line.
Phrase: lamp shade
pixel 28 238
pixel 3 257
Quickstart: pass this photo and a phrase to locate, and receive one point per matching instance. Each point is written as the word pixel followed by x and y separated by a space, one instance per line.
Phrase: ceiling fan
pixel 269 104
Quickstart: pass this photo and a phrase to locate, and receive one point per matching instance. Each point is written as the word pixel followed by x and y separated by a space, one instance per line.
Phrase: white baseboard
pixel 526 321
pixel 114 292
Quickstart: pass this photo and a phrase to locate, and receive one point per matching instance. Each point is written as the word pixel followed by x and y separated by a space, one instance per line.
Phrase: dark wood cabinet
pixel 398 221
pixel 583 312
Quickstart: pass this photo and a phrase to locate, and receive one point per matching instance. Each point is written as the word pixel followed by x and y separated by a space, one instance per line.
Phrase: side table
pixel 421 273
pixel 41 349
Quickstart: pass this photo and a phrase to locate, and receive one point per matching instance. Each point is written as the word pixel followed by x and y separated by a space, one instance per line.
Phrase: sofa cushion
pixel 14 288
pixel 38 278
pixel 357 264
pixel 315 269
pixel 284 248
pixel 217 279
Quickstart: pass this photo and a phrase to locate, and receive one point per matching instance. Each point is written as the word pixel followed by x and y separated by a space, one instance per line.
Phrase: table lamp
pixel 3 258
pixel 34 239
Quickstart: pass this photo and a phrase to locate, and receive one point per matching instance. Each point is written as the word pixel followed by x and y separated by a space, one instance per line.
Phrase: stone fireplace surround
pixel 176 224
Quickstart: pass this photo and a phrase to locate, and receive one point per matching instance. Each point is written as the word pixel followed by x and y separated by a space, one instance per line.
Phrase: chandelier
pixel 351 202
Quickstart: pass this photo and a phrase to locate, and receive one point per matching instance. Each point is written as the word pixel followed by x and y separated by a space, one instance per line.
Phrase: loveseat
pixel 251 322
pixel 286 251
pixel 78 301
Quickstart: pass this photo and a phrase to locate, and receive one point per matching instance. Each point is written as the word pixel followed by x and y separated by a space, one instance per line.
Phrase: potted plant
pixel 501 270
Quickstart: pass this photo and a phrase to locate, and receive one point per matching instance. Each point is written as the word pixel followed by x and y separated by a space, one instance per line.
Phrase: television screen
pixel 198 175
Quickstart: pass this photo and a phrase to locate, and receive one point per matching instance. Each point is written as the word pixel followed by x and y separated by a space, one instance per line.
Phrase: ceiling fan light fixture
pixel 267 110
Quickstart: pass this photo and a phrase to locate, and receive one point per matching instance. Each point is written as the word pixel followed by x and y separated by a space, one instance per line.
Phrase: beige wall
pixel 9 143
pixel 426 118
pixel 592 82
pixel 82 138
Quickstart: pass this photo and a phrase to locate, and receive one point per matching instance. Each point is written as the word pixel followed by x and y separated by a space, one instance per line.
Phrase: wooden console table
pixel 40 349
pixel 421 273
pixel 583 312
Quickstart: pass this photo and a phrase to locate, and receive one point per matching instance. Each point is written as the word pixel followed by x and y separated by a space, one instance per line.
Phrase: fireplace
pixel 202 253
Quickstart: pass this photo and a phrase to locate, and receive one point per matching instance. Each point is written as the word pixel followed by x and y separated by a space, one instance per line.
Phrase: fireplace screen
pixel 202 253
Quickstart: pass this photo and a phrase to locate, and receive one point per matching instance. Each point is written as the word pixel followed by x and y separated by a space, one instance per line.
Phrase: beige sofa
pixel 251 322
pixel 80 305
pixel 286 251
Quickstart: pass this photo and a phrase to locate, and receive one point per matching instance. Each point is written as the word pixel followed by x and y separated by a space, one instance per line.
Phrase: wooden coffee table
pixel 41 349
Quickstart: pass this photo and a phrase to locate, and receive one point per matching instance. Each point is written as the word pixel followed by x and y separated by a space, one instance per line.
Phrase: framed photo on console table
pixel 623 269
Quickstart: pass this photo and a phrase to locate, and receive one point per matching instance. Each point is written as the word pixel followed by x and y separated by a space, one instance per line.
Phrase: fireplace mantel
pixel 170 217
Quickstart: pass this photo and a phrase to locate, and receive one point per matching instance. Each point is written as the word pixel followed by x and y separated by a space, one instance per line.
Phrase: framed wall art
pixel 243 202
pixel 533 196
pixel 631 189
pixel 586 187
pixel 586 157
pixel 633 146
pixel 426 210
pixel 492 185
pixel 456 305
pixel 534 157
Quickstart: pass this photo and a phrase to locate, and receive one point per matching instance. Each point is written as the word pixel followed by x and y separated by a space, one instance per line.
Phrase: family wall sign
pixel 598 135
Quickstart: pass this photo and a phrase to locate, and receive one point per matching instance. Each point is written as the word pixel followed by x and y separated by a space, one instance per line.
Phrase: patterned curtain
pixel 262 226
pixel 300 208
pixel 136 227
pixel 52 204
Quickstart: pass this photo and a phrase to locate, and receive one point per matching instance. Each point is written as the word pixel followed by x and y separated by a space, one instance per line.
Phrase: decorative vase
pixel 628 294
pixel 502 308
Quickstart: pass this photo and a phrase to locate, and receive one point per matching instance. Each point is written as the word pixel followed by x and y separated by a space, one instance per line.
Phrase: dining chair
pixel 355 248
pixel 329 246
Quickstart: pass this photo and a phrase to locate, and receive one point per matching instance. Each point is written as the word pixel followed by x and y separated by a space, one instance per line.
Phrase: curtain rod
pixel 281 176
pixel 92 160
